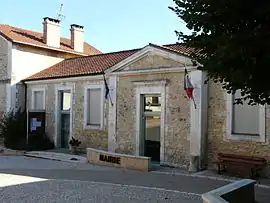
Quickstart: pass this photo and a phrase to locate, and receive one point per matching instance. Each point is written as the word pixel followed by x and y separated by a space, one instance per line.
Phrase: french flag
pixel 188 87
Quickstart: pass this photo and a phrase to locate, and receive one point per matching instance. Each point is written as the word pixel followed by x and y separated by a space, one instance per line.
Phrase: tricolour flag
pixel 188 87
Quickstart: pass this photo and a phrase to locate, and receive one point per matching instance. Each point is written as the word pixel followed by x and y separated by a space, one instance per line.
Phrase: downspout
pixel 26 109
pixel 25 95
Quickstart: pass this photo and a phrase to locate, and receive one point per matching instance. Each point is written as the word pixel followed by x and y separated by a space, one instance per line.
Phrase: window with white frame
pixel 93 108
pixel 245 121
pixel 38 99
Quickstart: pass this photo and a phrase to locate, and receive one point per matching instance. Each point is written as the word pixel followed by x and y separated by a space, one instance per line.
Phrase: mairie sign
pixel 110 159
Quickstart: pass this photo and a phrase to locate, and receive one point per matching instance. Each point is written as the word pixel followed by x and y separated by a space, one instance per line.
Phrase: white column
pixel 198 120
pixel 112 138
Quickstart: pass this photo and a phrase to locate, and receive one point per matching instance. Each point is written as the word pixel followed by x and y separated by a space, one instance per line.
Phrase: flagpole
pixel 110 99
pixel 195 106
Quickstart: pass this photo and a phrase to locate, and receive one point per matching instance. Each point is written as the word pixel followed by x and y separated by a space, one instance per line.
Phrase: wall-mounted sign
pixel 34 124
pixel 110 159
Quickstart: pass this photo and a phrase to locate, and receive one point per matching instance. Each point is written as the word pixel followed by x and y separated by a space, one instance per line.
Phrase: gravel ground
pixel 83 191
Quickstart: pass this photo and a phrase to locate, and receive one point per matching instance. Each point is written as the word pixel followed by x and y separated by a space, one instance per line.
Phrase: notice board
pixel 36 122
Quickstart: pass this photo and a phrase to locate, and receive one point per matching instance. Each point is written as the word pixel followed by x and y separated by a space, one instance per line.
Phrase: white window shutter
pixel 38 100
pixel 246 118
pixel 94 107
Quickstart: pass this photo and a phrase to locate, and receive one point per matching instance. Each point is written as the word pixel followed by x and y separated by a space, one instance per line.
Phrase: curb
pixel 197 175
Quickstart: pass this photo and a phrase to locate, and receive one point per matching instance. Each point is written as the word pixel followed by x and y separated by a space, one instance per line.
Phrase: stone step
pixel 57 156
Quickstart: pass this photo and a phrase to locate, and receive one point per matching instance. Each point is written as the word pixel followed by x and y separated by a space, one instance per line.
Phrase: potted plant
pixel 74 144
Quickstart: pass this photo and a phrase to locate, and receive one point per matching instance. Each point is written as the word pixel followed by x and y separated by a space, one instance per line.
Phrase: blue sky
pixel 109 25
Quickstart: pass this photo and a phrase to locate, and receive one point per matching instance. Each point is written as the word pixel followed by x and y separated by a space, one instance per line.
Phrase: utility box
pixel 36 122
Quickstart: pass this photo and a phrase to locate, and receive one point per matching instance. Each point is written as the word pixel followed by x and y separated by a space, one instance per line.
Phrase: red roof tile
pixel 96 64
pixel 20 35
pixel 88 65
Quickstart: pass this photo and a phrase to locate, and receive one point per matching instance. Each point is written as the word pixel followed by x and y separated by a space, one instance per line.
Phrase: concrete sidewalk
pixel 210 174
pixel 164 180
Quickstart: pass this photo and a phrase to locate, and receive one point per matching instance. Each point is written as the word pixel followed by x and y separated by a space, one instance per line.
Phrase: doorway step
pixel 57 156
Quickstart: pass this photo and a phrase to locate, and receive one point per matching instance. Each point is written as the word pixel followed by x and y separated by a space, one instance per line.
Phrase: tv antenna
pixel 60 16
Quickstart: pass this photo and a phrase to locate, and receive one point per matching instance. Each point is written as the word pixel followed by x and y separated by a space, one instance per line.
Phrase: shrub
pixel 13 128
pixel 38 142
pixel 74 143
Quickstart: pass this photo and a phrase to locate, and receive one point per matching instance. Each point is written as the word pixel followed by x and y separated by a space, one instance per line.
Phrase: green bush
pixel 13 128
pixel 39 142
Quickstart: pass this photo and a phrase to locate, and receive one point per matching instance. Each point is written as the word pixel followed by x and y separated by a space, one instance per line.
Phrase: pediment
pixel 151 61
pixel 151 58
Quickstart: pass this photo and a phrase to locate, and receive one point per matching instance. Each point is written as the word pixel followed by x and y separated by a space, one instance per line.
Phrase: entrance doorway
pixel 150 126
pixel 64 115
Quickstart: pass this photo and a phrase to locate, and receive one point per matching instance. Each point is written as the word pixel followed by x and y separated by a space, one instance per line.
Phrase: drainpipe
pixel 26 109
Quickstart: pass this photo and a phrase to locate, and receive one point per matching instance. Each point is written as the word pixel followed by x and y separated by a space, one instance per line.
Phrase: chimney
pixel 77 37
pixel 51 32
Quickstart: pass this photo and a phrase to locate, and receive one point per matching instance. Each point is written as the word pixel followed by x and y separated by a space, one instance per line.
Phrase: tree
pixel 231 39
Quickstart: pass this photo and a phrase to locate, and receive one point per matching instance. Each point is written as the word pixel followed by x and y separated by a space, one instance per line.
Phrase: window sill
pixel 37 110
pixel 92 127
pixel 243 137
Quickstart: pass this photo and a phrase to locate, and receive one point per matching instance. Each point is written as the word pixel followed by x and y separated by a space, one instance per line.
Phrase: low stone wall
pixel 238 191
pixel 101 157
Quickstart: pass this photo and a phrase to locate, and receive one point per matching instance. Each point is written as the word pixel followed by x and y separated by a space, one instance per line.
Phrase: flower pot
pixel 73 149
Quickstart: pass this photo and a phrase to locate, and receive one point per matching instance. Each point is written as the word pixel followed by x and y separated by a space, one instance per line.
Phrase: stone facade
pixel 151 61
pixel 90 138
pixel 177 119
pixel 217 140
pixel 177 109
pixel 5 63
pixel 177 123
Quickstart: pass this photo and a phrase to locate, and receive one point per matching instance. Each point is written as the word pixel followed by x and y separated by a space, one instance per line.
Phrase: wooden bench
pixel 250 163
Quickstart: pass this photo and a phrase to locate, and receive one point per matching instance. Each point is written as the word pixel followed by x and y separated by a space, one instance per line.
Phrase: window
pixel 38 99
pixel 245 121
pixel 65 100
pixel 94 107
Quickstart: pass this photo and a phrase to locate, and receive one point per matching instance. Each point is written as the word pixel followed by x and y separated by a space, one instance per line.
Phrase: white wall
pixel 26 62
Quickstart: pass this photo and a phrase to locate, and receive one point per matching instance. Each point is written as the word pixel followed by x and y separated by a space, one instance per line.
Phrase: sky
pixel 109 25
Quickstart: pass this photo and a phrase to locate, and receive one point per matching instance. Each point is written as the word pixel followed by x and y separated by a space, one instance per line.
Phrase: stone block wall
pixel 97 139
pixel 152 61
pixel 177 119
pixel 90 138
pixel 5 77
pixel 217 140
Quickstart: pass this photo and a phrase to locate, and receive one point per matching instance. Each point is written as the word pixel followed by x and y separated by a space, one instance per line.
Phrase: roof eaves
pixel 50 48
pixel 169 49
pixel 6 37
pixel 103 54
pixel 61 77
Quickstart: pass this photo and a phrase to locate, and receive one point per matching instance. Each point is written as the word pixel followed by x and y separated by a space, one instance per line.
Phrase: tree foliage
pixel 232 40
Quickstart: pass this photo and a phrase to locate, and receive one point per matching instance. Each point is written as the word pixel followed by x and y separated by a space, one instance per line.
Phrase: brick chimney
pixel 51 32
pixel 77 37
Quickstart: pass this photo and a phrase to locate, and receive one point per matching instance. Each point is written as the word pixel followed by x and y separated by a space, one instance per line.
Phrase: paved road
pixel 37 180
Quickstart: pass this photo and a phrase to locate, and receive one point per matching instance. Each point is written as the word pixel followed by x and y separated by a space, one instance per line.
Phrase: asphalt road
pixel 36 180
